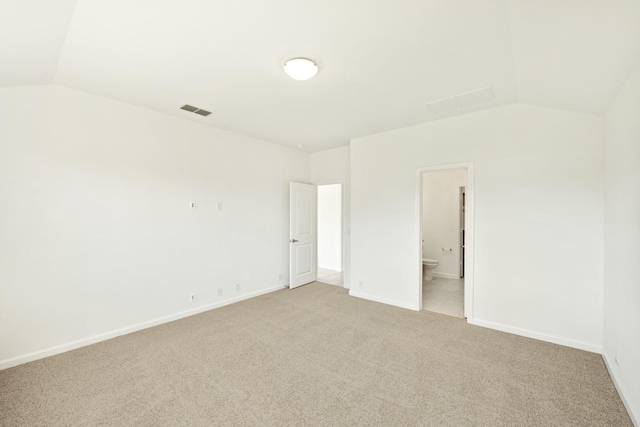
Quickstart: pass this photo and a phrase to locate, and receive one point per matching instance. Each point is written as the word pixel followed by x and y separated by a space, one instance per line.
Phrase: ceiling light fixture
pixel 300 146
pixel 300 68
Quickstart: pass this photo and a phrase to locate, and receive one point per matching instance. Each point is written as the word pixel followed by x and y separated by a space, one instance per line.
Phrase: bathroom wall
pixel 539 202
pixel 622 242
pixel 441 219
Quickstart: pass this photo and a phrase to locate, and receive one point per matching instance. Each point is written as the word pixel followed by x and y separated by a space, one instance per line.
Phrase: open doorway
pixel 330 256
pixel 461 216
pixel 445 218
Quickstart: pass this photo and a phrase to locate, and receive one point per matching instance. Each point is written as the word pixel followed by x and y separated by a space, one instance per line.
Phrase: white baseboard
pixel 444 275
pixel 580 345
pixel 625 402
pixel 355 293
pixel 40 354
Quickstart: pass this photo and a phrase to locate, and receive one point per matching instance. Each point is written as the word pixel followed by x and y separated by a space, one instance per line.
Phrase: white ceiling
pixel 32 33
pixel 380 61
pixel 574 54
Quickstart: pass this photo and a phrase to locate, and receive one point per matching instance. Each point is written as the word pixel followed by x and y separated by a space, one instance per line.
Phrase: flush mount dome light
pixel 300 68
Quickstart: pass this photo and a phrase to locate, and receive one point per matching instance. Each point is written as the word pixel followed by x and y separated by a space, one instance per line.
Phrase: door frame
pixel 344 233
pixel 461 230
pixel 469 231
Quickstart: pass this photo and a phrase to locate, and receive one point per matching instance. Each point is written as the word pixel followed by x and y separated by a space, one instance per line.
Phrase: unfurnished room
pixel 322 213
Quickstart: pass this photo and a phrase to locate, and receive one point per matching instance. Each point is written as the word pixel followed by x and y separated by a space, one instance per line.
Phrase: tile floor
pixel 331 277
pixel 445 296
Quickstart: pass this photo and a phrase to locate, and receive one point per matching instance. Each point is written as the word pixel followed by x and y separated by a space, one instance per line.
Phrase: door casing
pixel 469 232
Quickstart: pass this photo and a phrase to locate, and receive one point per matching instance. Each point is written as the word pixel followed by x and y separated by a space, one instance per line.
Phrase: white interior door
pixel 303 232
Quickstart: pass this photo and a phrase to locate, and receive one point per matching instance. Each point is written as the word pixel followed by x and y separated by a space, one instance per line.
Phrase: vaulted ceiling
pixel 380 61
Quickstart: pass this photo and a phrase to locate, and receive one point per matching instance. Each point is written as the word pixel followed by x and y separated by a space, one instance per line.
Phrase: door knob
pixel 293 240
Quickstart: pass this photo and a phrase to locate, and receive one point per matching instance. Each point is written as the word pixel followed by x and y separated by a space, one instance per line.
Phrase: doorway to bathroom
pixel 330 234
pixel 446 258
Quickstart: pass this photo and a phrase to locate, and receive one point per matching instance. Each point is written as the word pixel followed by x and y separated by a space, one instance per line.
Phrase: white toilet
pixel 428 265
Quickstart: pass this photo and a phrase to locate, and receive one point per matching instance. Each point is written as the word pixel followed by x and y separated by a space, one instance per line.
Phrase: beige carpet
pixel 314 356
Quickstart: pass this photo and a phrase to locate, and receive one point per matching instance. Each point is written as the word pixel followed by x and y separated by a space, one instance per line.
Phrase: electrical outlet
pixel 192 205
pixel 615 359
pixel 280 277
pixel 192 297
pixel 360 285
pixel 219 206
pixel 219 292
pixel 237 287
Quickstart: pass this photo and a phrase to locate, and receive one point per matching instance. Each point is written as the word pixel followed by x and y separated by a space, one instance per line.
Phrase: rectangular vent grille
pixel 196 110
pixel 188 107
pixel 461 100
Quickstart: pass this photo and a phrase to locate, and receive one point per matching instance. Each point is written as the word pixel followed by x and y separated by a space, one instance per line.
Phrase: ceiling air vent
pixel 196 110
pixel 461 100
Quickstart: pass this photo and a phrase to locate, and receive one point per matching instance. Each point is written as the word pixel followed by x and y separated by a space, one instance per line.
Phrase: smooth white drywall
pixel 330 166
pixel 538 217
pixel 96 233
pixel 330 226
pixel 622 242
pixel 441 219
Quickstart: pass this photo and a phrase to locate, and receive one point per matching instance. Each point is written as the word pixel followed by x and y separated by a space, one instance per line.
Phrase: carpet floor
pixel 314 356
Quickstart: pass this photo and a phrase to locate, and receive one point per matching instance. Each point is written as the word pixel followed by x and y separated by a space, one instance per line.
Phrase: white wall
pixel 95 230
pixel 538 217
pixel 330 166
pixel 330 227
pixel 441 219
pixel 622 242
